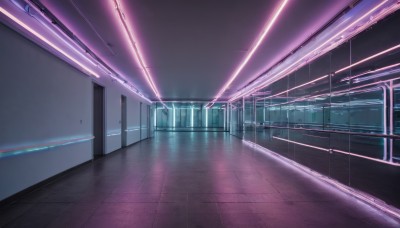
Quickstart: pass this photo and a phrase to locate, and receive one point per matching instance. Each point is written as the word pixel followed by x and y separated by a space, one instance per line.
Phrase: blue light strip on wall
pixel 132 129
pixel 113 133
pixel 43 146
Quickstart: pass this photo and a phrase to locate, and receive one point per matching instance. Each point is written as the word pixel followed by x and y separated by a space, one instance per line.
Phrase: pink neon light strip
pixel 371 71
pixel 135 49
pixel 334 93
pixel 251 53
pixel 368 58
pixel 301 168
pixel 339 151
pixel 347 67
pixel 311 52
pixel 299 86
pixel 33 32
pixel 63 39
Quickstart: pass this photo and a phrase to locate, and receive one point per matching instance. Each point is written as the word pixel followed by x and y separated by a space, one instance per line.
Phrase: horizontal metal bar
pixel 42 146
pixel 338 132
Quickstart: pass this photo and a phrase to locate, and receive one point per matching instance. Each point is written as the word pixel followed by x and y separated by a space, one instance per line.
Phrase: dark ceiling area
pixel 192 48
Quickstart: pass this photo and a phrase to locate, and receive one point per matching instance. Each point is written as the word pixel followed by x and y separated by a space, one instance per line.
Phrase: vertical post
pixel 173 116
pixel 206 117
pixel 191 118
pixel 263 111
pixel 225 117
pixel 384 111
pixel 243 116
pixel 391 119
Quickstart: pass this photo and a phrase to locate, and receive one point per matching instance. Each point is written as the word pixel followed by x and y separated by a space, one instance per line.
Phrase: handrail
pixel 42 146
pixel 340 151
pixel 338 132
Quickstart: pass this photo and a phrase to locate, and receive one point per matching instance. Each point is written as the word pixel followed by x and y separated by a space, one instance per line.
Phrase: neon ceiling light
pixel 134 47
pixel 345 68
pixel 296 87
pixel 251 53
pixel 27 9
pixel 48 42
pixel 34 14
pixel 292 67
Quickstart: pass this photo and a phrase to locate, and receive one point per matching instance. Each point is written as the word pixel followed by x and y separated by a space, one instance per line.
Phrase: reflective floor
pixel 181 179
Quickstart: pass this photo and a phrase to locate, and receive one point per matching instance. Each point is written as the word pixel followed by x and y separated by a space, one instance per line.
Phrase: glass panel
pixel 249 123
pixel 189 116
pixel 333 114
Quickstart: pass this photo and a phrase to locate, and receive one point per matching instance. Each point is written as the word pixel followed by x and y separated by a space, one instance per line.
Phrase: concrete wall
pixel 45 100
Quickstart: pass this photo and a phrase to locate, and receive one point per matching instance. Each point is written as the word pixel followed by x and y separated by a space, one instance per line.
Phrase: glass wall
pixel 190 116
pixel 338 115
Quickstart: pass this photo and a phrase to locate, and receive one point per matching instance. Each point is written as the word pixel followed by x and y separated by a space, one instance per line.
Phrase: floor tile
pixel 188 180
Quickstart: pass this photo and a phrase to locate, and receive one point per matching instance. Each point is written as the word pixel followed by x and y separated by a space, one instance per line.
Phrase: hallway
pixel 188 180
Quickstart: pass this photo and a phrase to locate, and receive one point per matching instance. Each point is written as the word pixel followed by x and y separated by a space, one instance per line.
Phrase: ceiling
pixel 192 48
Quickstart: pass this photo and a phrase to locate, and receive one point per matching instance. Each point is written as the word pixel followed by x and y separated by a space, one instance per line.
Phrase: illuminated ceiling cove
pixel 183 50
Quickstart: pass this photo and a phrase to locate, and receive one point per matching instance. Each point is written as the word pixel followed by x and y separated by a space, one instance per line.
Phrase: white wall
pixel 133 121
pixel 113 119
pixel 42 100
pixel 144 121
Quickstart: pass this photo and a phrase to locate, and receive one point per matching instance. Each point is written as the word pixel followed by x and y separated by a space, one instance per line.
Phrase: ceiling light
pixel 321 48
pixel 44 21
pixel 133 44
pixel 48 42
pixel 251 53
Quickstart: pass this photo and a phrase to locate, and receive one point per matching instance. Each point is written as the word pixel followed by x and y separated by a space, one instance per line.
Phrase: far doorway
pixel 98 120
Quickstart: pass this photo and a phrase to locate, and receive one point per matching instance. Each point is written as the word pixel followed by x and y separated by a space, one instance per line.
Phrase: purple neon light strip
pixel 103 68
pixel 251 53
pixel 135 49
pixel 368 58
pixel 287 69
pixel 347 67
pixel 48 42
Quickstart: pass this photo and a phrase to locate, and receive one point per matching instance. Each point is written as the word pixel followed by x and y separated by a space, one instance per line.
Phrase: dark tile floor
pixel 189 180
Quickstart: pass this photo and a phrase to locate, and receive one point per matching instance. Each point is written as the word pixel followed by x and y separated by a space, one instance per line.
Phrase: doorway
pixel 98 120
pixel 123 122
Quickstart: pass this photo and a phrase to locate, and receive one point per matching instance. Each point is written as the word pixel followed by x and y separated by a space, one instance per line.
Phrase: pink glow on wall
pixel 48 42
pixel 133 45
pixel 260 39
